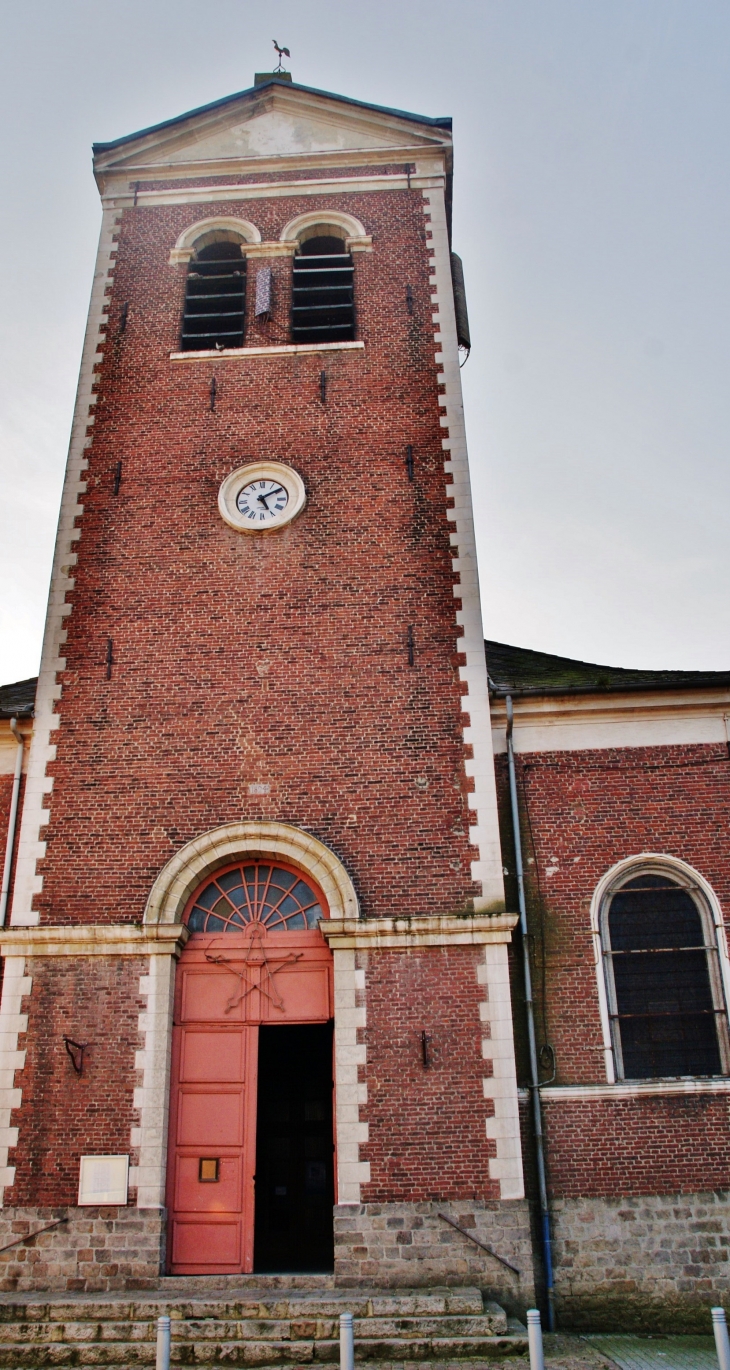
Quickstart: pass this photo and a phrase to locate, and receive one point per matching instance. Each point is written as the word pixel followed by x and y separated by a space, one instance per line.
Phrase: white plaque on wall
pixel 103 1180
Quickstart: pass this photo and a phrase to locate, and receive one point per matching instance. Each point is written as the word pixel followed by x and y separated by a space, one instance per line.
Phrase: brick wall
pixel 427 1126
pixel 581 813
pixel 650 1264
pixel 95 1249
pixel 409 1245
pixel 63 1115
pixel 6 791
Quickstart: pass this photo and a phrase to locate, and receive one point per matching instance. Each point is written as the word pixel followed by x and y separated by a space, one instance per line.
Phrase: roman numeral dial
pixel 262 501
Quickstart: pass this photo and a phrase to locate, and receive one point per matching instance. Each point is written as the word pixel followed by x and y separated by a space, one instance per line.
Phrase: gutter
pixel 529 1005
pixel 12 821
pixel 507 692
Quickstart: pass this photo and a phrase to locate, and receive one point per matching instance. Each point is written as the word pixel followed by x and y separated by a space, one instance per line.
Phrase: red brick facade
pixel 93 1000
pixel 277 659
pixel 582 812
pixel 316 677
pixel 427 1123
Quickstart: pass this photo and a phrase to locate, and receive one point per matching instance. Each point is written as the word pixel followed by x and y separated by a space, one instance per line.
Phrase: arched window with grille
pixel 663 976
pixel 268 894
pixel 323 300
pixel 215 297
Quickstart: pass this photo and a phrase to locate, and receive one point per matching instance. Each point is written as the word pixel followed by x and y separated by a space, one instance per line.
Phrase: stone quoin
pixel 262 936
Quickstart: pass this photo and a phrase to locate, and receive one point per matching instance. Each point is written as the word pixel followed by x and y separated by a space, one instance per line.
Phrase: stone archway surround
pixel 167 900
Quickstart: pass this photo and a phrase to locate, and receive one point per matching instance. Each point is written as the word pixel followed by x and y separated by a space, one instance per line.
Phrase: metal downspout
pixel 12 820
pixel 534 1078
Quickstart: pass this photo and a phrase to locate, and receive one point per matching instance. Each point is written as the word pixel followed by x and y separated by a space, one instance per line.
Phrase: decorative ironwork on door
pixel 274 896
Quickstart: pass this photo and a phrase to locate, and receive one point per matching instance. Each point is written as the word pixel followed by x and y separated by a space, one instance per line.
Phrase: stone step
pixel 488 1324
pixel 24 1356
pixel 466 1302
pixel 196 1284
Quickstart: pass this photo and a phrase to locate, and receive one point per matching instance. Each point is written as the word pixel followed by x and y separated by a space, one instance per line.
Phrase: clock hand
pixel 262 500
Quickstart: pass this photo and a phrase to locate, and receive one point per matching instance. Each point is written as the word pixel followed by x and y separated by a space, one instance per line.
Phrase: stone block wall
pixel 649 1263
pixel 94 1251
pixel 407 1245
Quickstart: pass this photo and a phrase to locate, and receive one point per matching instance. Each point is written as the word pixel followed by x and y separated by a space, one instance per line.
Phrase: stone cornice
pixel 440 930
pixel 122 198
pixel 247 166
pixel 593 721
pixel 95 939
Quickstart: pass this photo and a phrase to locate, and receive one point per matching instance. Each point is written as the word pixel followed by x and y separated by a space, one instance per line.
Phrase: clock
pixel 261 497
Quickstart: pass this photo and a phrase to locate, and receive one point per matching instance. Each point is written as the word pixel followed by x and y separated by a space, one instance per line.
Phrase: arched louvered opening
pixel 323 302
pixel 215 298
pixel 666 1002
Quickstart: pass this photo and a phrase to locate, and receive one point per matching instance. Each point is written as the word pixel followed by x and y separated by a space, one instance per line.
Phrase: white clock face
pixel 262 497
pixel 262 502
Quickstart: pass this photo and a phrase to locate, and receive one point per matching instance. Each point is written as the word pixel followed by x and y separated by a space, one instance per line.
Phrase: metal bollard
pixel 534 1339
pixel 347 1342
pixel 722 1342
pixel 162 1361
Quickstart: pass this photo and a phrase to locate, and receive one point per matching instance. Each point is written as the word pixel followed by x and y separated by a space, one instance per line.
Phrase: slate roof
pixel 18 700
pixel 442 122
pixel 519 671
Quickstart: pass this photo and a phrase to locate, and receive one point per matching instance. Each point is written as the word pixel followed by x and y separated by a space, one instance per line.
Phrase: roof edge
pixel 444 122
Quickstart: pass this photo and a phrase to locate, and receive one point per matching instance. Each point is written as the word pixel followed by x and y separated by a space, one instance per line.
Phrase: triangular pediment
pixel 274 121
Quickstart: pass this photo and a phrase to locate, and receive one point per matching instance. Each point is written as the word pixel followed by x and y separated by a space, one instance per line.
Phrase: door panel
pixel 225 987
pixel 194 1196
pixel 210 1056
pixel 208 1117
pixel 212 1246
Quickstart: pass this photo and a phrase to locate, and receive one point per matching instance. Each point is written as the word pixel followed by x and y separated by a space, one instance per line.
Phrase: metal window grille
pixel 667 1010
pixel 215 299
pixel 323 300
pixel 276 896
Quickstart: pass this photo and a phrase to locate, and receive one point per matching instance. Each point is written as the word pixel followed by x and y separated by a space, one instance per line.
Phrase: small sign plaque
pixel 103 1180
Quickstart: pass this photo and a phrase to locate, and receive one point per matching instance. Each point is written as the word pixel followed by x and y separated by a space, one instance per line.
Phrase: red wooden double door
pixel 251 1150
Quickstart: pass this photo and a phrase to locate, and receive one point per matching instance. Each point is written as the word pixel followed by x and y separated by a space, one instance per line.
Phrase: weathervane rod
pixel 283 52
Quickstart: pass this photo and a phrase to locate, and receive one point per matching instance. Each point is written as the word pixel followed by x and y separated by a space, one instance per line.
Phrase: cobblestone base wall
pixel 95 1250
pixel 654 1263
pixel 408 1245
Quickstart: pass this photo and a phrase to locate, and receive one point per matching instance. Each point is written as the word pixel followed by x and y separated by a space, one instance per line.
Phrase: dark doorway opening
pixel 294 1151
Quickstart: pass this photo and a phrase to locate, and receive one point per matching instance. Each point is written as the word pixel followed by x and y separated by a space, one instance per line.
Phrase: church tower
pixel 256 1009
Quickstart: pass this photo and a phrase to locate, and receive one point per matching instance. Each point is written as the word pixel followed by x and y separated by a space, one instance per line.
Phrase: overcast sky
pixel 592 214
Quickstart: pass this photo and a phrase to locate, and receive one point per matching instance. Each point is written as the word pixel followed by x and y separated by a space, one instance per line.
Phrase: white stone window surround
pixel 710 910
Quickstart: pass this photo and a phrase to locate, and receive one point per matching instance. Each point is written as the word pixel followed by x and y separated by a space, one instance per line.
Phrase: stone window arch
pixel 663 971
pixel 215 287
pixel 323 277
pixel 214 851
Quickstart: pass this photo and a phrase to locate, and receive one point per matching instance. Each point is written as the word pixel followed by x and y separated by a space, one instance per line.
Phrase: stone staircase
pixel 292 1324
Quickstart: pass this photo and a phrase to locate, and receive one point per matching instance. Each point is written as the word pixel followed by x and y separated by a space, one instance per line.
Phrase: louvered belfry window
pixel 666 999
pixel 323 303
pixel 215 298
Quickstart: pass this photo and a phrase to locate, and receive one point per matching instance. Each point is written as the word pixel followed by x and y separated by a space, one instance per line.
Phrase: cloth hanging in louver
pixel 263 292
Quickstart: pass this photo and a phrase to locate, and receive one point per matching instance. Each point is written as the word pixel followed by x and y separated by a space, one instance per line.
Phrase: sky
pixel 591 211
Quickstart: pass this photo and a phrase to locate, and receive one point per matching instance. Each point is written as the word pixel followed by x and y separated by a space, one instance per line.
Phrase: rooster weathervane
pixel 283 52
